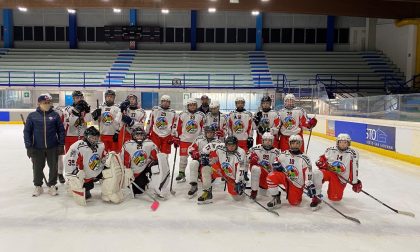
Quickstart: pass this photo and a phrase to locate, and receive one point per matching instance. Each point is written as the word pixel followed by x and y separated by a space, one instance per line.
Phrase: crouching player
pixel 293 170
pixel 86 161
pixel 339 166
pixel 224 160
pixel 261 157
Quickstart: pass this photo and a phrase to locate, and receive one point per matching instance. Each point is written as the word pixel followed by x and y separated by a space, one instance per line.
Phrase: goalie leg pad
pixel 194 165
pixel 113 179
pixel 76 189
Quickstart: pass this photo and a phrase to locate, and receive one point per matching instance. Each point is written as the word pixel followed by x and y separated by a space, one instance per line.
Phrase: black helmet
pixel 231 140
pixel 266 98
pixel 209 128
pixel 91 131
pixel 128 99
pixel 138 131
pixel 110 92
pixel 76 93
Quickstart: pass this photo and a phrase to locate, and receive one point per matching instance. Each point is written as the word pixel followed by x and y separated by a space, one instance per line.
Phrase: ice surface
pixel 51 223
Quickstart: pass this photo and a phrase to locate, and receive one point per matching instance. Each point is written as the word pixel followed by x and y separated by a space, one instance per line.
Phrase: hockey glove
pixel 195 155
pixel 240 187
pixel 253 159
pixel 257 118
pixel 124 105
pixel 311 190
pixel 312 123
pixel 357 187
pixel 278 167
pixel 220 133
pixel 204 160
pixel 262 130
pixel 127 120
pixel 175 141
pixel 96 114
pixel 115 138
pixel 322 162
pixel 250 142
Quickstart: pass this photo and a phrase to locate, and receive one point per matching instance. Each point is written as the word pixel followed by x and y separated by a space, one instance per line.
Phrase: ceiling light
pixel 165 11
pixel 116 10
pixel 71 11
pixel 255 13
pixel 212 10
pixel 265 0
pixel 23 9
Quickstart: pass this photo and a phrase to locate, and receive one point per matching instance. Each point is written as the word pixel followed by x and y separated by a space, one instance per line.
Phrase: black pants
pixel 91 184
pixel 39 156
pixel 142 181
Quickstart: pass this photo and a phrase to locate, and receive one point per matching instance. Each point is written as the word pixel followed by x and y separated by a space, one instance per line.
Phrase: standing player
pixel 217 120
pixel 76 118
pixel 195 150
pixel 109 117
pixel 240 124
pixel 338 164
pixel 133 116
pixel 293 120
pixel 266 120
pixel 293 170
pixel 261 157
pixel 223 160
pixel 189 126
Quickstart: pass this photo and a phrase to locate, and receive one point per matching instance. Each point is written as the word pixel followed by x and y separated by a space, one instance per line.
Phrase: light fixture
pixel 265 0
pixel 71 11
pixel 116 10
pixel 165 11
pixel 255 13
pixel 23 9
pixel 212 10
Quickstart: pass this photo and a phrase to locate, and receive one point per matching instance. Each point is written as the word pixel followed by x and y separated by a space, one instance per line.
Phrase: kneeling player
pixel 261 158
pixel 226 161
pixel 86 161
pixel 140 155
pixel 195 150
pixel 293 170
pixel 340 164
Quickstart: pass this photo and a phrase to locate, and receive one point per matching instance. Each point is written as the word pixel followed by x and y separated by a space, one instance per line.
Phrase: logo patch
pixel 238 126
pixel 161 123
pixel 191 127
pixel 139 157
pixel 289 122
pixel 337 166
pixel 94 162
pixel 107 118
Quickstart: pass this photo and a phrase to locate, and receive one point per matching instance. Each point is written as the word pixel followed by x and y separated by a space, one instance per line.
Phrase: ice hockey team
pixel 126 151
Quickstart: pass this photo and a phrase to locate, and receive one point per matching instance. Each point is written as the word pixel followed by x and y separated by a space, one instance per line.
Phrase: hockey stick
pixel 23 121
pixel 224 189
pixel 155 203
pixel 325 202
pixel 393 209
pixel 309 139
pixel 173 172
pixel 99 121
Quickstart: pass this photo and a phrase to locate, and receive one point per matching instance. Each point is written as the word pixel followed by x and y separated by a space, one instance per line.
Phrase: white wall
pixel 398 43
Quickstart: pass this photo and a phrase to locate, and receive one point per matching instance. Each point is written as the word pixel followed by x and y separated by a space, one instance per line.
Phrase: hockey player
pixel 109 117
pixel 133 116
pixel 338 164
pixel 293 120
pixel 240 125
pixel 293 170
pixel 140 160
pixel 195 150
pixel 261 157
pixel 217 120
pixel 189 126
pixel 224 160
pixel 266 120
pixel 76 118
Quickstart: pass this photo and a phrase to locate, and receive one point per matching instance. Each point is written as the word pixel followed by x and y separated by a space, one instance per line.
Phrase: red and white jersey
pixel 269 120
pixel 139 117
pixel 72 124
pixel 240 124
pixel 190 125
pixel 81 157
pixel 265 157
pixel 233 164
pixel 298 167
pixel 200 142
pixel 292 121
pixel 345 163
pixel 60 112
pixel 109 120
pixel 161 121
pixel 137 156
pixel 215 123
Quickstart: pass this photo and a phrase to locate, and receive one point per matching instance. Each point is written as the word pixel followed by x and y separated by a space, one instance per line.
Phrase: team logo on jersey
pixel 265 123
pixel 266 165
pixel 191 126
pixel 107 118
pixel 289 122
pixel 337 166
pixel 161 122
pixel 227 168
pixel 238 126
pixel 94 162
pixel 292 171
pixel 139 157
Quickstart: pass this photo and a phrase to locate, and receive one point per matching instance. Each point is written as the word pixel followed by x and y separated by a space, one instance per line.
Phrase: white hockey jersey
pixel 190 125
pixel 240 124
pixel 265 157
pixel 74 125
pixel 137 157
pixel 109 120
pixel 161 121
pixel 218 125
pixel 345 163
pixel 200 142
pixel 268 120
pixel 298 167
pixel 233 164
pixel 81 157
pixel 292 121
pixel 139 117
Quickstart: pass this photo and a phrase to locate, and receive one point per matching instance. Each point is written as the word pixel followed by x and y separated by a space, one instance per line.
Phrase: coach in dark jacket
pixel 44 140
pixel 204 104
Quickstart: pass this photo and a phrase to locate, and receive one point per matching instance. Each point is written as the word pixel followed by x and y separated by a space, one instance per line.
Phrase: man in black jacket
pixel 44 140
pixel 205 101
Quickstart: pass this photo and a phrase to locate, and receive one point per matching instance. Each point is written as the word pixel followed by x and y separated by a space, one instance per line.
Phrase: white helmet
pixel 294 138
pixel 343 137
pixel 239 99
pixel 267 136
pixel 289 97
pixel 214 104
pixel 191 101
pixel 165 98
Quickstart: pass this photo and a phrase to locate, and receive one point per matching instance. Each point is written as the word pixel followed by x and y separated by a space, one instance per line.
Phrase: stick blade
pixel 353 219
pixel 154 205
pixel 407 213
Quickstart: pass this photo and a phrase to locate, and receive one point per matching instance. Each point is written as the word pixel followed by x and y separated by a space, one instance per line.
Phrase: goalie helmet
pixel 138 131
pixel 91 136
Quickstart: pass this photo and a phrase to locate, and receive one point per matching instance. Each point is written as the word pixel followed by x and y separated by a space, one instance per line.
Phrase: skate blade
pixel 204 202
pixel 181 181
pixel 274 207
